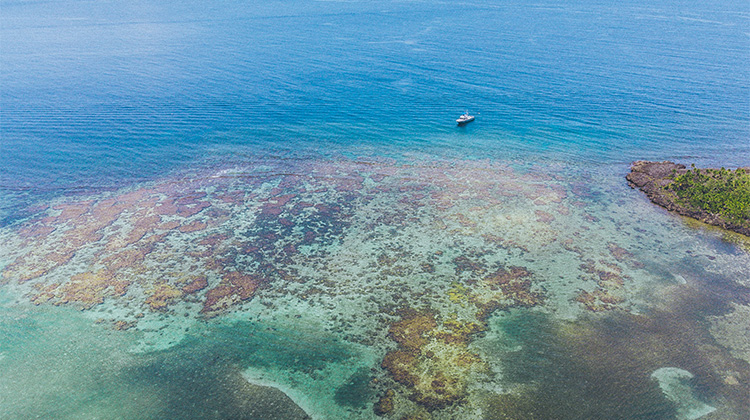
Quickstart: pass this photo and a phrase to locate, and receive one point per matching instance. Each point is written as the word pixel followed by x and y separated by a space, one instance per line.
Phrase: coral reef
pixel 436 371
pixel 433 360
pixel 609 279
pixel 623 255
pixel 598 301
pixel 89 288
pixel 162 295
pixel 234 287
pixel 506 288
pixel 385 406
pixel 196 284
pixel 431 252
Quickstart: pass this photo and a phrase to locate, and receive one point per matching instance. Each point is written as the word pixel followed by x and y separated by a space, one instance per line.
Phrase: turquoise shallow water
pixel 262 212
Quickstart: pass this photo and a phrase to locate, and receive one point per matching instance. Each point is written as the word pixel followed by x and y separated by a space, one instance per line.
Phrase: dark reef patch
pixel 195 382
pixel 601 367
pixel 356 392
pixel 555 380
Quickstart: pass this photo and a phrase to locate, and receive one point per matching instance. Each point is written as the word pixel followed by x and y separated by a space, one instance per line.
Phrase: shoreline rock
pixel 653 178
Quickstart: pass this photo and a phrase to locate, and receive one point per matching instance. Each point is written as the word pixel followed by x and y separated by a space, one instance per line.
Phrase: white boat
pixel 465 118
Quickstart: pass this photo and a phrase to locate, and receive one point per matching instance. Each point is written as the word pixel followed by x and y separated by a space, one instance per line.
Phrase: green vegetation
pixel 718 191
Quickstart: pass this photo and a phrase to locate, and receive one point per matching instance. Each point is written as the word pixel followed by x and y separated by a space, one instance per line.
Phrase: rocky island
pixel 719 197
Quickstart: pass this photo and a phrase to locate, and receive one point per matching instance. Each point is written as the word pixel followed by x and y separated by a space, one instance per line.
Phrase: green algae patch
pixel 458 293
pixel 718 197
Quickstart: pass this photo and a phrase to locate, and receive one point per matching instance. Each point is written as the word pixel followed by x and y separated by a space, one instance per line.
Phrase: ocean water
pixel 261 211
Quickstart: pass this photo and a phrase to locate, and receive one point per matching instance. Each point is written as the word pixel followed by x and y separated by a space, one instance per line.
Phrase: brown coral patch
pixel 506 288
pixel 465 221
pixel 486 309
pixel 623 255
pixel 105 212
pixel 386 260
pixel 214 240
pixel 299 207
pixel 562 210
pixel 410 332
pixel 232 197
pixel 503 276
pixel 59 258
pixel 123 325
pixel 502 242
pixel 166 207
pixel 545 195
pixel 270 210
pixel 433 364
pixel 72 211
pixel 21 275
pixel 192 208
pixel 599 300
pixel 34 265
pixel 610 277
pixel 349 183
pixel 544 217
pixel 522 295
pixel 44 293
pixel 427 267
pixel 170 225
pixel 459 332
pixel 400 365
pixel 162 295
pixel 90 288
pixel 38 230
pixel 464 263
pixel 516 286
pixel 197 284
pixel 444 378
pixel 146 223
pixel 81 235
pixel 142 227
pixel 129 199
pixel 193 226
pixel 568 244
pixel 274 206
pixel 129 257
pixel 385 405
pixel 234 288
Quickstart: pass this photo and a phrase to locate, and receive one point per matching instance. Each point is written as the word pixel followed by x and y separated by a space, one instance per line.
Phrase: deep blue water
pixel 97 94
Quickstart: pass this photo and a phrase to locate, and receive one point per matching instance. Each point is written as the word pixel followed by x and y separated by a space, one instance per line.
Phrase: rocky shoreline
pixel 653 178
